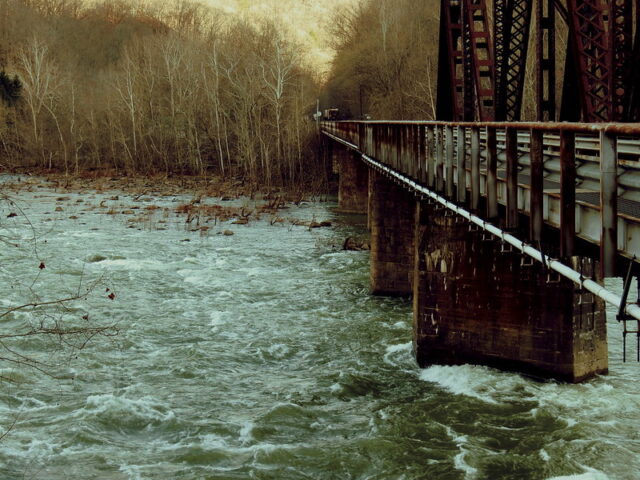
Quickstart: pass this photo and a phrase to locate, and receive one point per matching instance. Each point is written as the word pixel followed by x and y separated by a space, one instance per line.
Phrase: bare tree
pixel 174 88
pixel 38 78
pixel 34 314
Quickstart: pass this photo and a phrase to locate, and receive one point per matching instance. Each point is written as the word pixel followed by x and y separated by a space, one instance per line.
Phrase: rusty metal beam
pixel 501 16
pixel 620 47
pixel 469 88
pixel 450 74
pixel 591 49
pixel 478 60
pixel 633 92
pixel 512 22
pixel 545 60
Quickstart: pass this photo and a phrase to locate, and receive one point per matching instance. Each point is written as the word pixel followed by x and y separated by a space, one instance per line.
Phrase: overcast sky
pixel 307 19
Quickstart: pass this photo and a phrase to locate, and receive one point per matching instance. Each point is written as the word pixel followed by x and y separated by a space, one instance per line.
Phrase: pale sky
pixel 307 19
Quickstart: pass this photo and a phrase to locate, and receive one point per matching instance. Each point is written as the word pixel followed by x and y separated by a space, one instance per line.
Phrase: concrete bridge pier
pixel 353 189
pixel 476 301
pixel 391 221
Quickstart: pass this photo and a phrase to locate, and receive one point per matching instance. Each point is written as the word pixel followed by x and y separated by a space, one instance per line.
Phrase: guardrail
pixel 583 179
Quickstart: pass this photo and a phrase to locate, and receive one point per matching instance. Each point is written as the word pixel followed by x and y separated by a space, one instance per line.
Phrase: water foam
pixel 126 411
pixel 398 349
pixel 217 318
pixel 132 471
pixel 459 461
pixel 589 475
pixel 246 432
pixel 477 382
pixel 131 264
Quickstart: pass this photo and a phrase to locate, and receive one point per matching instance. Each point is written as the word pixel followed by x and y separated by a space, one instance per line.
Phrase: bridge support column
pixel 391 220
pixel 354 181
pixel 477 302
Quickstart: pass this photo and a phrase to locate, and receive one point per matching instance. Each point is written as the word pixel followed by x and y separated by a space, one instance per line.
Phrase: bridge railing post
pixel 401 141
pixel 402 150
pixel 609 203
pixel 475 169
pixel 536 199
pixel 567 193
pixel 386 144
pixel 439 167
pixel 398 134
pixel 511 139
pixel 431 157
pixel 380 138
pixel 418 147
pixel 492 173
pixel 421 145
pixel 413 155
pixel 448 159
pixel 410 154
pixel 397 141
pixel 461 171
pixel 375 138
pixel 368 144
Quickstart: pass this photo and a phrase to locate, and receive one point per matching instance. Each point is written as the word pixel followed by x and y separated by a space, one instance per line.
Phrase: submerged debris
pixel 356 244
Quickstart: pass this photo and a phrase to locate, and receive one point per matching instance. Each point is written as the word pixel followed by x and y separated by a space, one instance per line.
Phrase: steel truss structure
pixel 483 64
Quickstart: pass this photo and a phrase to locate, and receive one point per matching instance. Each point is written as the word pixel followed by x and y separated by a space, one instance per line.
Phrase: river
pixel 261 355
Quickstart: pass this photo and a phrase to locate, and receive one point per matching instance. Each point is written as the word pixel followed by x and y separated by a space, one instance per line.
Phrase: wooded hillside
pixel 171 87
pixel 386 59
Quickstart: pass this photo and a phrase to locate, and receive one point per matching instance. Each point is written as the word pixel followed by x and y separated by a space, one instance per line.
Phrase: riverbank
pixel 202 199
pixel 163 185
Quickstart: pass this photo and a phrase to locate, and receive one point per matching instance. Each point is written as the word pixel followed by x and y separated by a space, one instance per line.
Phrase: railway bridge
pixel 504 230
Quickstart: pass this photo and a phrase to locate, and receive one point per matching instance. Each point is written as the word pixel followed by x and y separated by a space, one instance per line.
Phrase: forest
pixel 180 87
pixel 386 60
pixel 153 88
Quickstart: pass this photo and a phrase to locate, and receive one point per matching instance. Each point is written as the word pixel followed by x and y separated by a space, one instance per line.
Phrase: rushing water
pixel 262 356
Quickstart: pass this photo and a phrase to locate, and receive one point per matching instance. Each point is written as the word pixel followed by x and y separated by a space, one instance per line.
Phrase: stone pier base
pixel 477 302
pixel 391 220
pixel 354 182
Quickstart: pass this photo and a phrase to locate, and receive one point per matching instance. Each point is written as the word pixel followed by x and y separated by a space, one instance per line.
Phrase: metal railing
pixel 583 179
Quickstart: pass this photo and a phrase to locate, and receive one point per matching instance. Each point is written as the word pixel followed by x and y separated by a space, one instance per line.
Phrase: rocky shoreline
pixel 202 202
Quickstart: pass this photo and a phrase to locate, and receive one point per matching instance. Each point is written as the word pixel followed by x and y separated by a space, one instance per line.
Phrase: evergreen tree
pixel 10 88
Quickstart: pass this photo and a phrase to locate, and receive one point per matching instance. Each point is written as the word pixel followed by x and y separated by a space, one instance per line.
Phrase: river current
pixel 261 355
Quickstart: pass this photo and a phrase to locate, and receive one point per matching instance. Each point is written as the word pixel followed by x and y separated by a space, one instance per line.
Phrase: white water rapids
pixel 262 356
